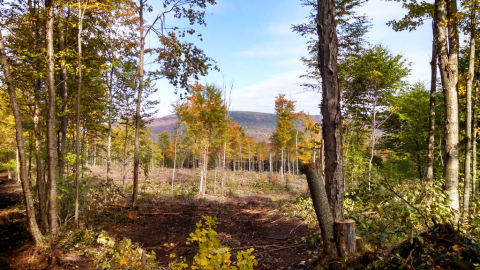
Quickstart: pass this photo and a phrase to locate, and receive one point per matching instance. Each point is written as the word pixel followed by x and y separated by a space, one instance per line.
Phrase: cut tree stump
pixel 345 236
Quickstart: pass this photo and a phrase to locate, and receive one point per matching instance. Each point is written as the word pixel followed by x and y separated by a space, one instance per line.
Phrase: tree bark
pixel 468 131
pixel 332 119
pixel 322 210
pixel 270 167
pixel 431 123
pixel 110 116
pixel 125 155
pixel 27 195
pixel 174 162
pixel 345 236
pixel 63 95
pixel 474 142
pixel 51 136
pixel 136 157
pixel 372 150
pixel 38 159
pixel 79 92
pixel 447 44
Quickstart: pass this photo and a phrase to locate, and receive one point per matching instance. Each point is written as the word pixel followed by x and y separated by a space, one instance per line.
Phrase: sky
pixel 259 56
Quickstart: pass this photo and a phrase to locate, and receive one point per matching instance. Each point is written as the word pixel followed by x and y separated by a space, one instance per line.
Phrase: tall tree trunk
pixel 270 166
pixel 468 131
pixel 332 118
pixel 372 150
pixel 79 92
pixel 63 95
pixel 282 166
pixel 51 136
pixel 136 161
pixel 474 141
pixel 38 159
pixel 174 162
pixel 125 155
pixel 296 151
pixel 431 123
pixel 110 116
pixel 447 44
pixel 27 195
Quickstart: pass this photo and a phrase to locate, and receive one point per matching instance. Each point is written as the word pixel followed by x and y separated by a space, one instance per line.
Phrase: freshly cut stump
pixel 345 236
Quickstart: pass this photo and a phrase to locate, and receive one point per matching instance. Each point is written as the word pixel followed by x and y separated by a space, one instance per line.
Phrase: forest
pixel 386 178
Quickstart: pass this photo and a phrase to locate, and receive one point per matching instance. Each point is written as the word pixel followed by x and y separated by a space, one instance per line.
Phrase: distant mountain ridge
pixel 255 124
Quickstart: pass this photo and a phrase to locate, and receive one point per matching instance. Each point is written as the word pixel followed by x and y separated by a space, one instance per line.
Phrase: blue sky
pixel 253 45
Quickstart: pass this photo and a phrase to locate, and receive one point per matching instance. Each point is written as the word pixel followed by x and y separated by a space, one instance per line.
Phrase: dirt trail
pixel 14 236
pixel 243 222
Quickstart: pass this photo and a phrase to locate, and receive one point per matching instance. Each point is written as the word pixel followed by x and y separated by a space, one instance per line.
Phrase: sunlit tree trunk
pixel 174 162
pixel 447 44
pixel 331 111
pixel 63 95
pixel 468 131
pixel 27 195
pixel 372 146
pixel 110 116
pixel 125 144
pixel 79 92
pixel 136 161
pixel 51 136
pixel 474 142
pixel 431 125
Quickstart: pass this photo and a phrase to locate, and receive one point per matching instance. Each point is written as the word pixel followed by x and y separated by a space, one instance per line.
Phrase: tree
pixel 283 134
pixel 179 61
pixel 468 129
pixel 29 203
pixel 164 144
pixel 447 45
pixel 51 119
pixel 203 112
pixel 351 31
pixel 417 14
pixel 369 80
pixel 332 130
pixel 407 128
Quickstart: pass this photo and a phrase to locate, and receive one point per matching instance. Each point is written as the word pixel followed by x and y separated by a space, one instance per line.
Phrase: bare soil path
pixel 14 236
pixel 243 223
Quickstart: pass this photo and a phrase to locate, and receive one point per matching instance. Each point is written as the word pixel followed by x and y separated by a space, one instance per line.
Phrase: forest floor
pixel 249 215
pixel 163 225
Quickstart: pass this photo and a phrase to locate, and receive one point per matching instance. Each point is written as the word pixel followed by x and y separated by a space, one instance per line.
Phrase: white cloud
pixel 260 97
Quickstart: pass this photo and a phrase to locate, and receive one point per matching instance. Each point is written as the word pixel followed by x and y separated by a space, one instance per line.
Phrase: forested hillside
pixel 259 126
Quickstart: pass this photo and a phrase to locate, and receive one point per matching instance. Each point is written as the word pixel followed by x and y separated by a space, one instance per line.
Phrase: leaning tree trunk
pixel 322 210
pixel 468 131
pixel 431 122
pixel 447 44
pixel 51 138
pixel 27 195
pixel 136 161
